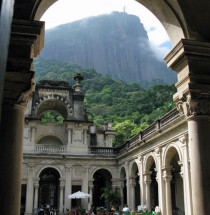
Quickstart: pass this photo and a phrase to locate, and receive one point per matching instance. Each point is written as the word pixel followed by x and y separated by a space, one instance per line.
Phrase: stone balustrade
pixel 103 150
pixel 49 148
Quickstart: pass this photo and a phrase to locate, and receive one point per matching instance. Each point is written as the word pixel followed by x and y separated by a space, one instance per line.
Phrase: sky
pixel 64 11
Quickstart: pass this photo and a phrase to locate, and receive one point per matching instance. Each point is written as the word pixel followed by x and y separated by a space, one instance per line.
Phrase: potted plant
pixel 111 196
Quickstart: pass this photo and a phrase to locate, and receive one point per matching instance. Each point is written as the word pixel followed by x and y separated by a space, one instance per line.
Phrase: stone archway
pixel 151 185
pixel 135 186
pixel 174 182
pixel 101 179
pixel 49 188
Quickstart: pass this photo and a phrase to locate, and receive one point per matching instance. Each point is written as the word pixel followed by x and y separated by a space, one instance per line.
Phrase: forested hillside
pixel 115 44
pixel 130 107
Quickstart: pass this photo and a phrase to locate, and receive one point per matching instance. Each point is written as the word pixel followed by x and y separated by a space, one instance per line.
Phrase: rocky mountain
pixel 114 44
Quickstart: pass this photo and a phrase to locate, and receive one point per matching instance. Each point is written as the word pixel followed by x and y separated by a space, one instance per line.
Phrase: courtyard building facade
pixel 152 169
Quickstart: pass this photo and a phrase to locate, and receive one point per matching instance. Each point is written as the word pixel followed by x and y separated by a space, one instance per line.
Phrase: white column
pixel 180 176
pixel 132 191
pixel 121 187
pixel 85 186
pixel 68 186
pixel 147 181
pixel 61 199
pixel 127 183
pixel 11 154
pixel 186 176
pixel 29 190
pixel 199 136
pixel 91 193
pixel 161 188
pixel 36 188
pixel 167 178
pixel 141 181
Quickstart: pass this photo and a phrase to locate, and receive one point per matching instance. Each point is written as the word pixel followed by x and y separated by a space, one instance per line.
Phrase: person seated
pixel 125 209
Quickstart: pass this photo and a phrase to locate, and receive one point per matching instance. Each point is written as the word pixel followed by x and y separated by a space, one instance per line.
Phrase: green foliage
pixel 129 106
pixel 111 196
pixel 50 116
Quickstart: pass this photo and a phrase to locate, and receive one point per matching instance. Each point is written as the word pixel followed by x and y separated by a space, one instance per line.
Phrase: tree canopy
pixel 130 107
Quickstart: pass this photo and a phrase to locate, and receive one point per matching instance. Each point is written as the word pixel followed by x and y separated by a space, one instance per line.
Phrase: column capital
pixel 62 182
pixel 36 186
pixel 62 186
pixel 132 181
pixel 195 104
pixel 24 96
pixel 30 165
pixel 158 151
pixel 191 60
pixel 68 167
pixel 91 186
pixel 147 181
pixel 147 177
pixel 85 168
pixel 167 177
pixel 126 164
pixel 183 139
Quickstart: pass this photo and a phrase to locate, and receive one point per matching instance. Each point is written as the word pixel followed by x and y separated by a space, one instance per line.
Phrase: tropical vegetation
pixel 130 107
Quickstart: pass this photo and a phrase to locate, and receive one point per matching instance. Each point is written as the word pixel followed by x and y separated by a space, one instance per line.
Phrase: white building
pixel 151 169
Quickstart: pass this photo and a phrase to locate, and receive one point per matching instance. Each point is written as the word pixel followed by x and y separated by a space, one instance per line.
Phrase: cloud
pixel 160 51
pixel 152 28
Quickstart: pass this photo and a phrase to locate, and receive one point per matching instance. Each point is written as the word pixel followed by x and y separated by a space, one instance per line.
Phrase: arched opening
pixel 176 184
pixel 151 184
pixel 135 178
pixel 172 20
pixel 48 188
pixel 124 186
pixel 54 106
pixel 101 179
pixel 50 140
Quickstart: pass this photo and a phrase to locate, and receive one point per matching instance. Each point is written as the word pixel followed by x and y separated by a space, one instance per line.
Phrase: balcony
pixel 103 150
pixel 50 148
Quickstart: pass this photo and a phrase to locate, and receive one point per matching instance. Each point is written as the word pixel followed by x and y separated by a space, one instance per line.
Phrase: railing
pixel 134 140
pixel 169 117
pixel 48 148
pixel 103 150
pixel 149 130
pixel 158 124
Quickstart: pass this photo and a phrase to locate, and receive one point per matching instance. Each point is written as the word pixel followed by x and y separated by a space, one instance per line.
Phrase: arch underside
pixel 52 105
pixel 181 19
